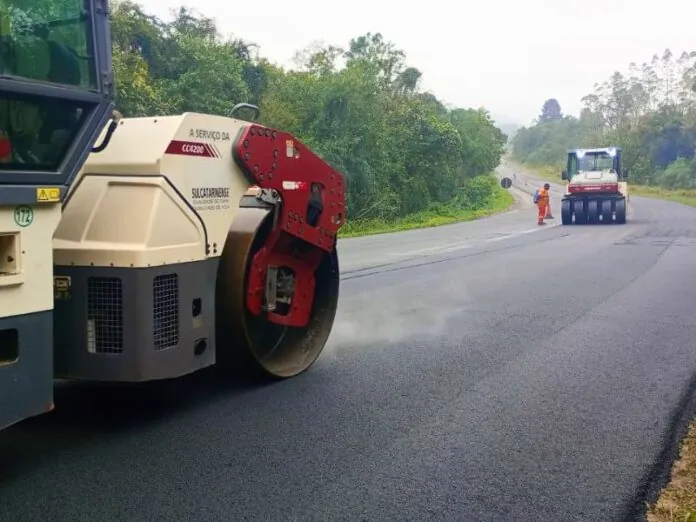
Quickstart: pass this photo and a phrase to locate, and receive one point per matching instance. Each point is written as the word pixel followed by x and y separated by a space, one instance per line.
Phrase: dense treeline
pixel 650 112
pixel 360 108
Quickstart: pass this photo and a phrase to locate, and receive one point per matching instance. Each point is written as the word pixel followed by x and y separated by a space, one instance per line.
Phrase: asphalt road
pixel 490 370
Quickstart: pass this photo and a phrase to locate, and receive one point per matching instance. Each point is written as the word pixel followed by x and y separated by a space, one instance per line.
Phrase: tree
pixel 550 111
pixel 650 111
pixel 359 107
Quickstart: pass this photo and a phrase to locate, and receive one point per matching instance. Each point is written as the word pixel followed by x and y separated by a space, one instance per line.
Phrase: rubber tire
pixel 579 211
pixel 607 214
pixel 593 211
pixel 621 211
pixel 566 212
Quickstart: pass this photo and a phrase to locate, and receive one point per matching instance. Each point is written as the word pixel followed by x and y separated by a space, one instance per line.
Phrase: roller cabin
pixel 56 97
pixel 137 249
pixel 596 188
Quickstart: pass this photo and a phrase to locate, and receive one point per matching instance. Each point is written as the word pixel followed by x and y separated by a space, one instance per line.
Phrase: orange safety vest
pixel 543 198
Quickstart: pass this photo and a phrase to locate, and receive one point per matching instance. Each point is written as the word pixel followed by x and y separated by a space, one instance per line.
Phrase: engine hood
pixel 594 177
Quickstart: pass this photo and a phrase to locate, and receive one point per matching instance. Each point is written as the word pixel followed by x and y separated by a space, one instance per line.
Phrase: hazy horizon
pixel 547 51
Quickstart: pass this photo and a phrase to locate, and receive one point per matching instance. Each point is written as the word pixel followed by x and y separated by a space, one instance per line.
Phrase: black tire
pixel 566 212
pixel 593 211
pixel 579 211
pixel 621 211
pixel 607 213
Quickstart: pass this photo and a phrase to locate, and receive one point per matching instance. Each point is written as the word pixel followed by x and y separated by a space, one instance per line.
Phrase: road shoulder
pixel 677 500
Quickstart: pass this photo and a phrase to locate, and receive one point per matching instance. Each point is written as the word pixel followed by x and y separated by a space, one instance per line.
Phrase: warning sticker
pixel 290 150
pixel 48 194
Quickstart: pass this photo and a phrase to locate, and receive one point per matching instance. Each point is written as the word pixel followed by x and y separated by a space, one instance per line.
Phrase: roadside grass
pixel 677 501
pixel 499 201
pixel 684 196
pixel 547 173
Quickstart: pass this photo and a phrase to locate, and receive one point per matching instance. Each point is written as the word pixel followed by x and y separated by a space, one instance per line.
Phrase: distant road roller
pixel 195 240
pixel 596 188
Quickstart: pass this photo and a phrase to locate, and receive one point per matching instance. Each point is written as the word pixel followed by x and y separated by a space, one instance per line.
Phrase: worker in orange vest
pixel 542 201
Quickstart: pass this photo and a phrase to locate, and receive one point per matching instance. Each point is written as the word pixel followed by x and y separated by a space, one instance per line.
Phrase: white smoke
pixel 370 318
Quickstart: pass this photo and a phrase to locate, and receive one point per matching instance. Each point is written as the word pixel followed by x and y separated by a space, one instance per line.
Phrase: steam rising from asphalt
pixel 363 319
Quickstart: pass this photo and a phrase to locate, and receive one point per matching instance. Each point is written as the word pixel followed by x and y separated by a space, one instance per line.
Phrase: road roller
pixel 596 189
pixel 194 240
pixel 146 248
pixel 56 97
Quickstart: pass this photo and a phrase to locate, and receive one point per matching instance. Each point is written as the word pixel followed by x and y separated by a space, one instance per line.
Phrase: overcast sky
pixel 507 55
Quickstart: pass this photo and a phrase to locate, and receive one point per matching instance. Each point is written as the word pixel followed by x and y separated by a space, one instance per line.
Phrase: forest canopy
pixel 649 111
pixel 359 107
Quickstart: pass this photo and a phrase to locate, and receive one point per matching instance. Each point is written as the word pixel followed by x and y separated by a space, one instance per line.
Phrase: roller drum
pixel 252 343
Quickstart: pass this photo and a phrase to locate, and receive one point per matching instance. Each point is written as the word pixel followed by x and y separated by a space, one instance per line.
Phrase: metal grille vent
pixel 165 311
pixel 104 315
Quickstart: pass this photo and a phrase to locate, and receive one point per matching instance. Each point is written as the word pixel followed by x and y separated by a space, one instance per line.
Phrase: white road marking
pixel 521 233
pixel 470 244
pixel 430 250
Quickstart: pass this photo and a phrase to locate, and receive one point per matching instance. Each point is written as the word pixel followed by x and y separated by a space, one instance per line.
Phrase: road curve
pixel 489 370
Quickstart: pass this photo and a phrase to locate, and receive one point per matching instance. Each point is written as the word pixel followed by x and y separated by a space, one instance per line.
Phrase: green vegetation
pixel 408 160
pixel 684 196
pixel 492 198
pixel 548 173
pixel 650 112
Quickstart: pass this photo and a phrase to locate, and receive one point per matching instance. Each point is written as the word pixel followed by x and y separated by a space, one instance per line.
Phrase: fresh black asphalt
pixel 481 371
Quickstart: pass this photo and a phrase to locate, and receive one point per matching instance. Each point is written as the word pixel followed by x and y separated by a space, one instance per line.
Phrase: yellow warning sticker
pixel 48 194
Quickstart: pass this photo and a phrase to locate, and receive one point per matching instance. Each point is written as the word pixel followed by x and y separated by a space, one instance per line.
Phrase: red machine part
pixel 311 208
pixel 278 252
pixel 5 147
pixel 600 187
